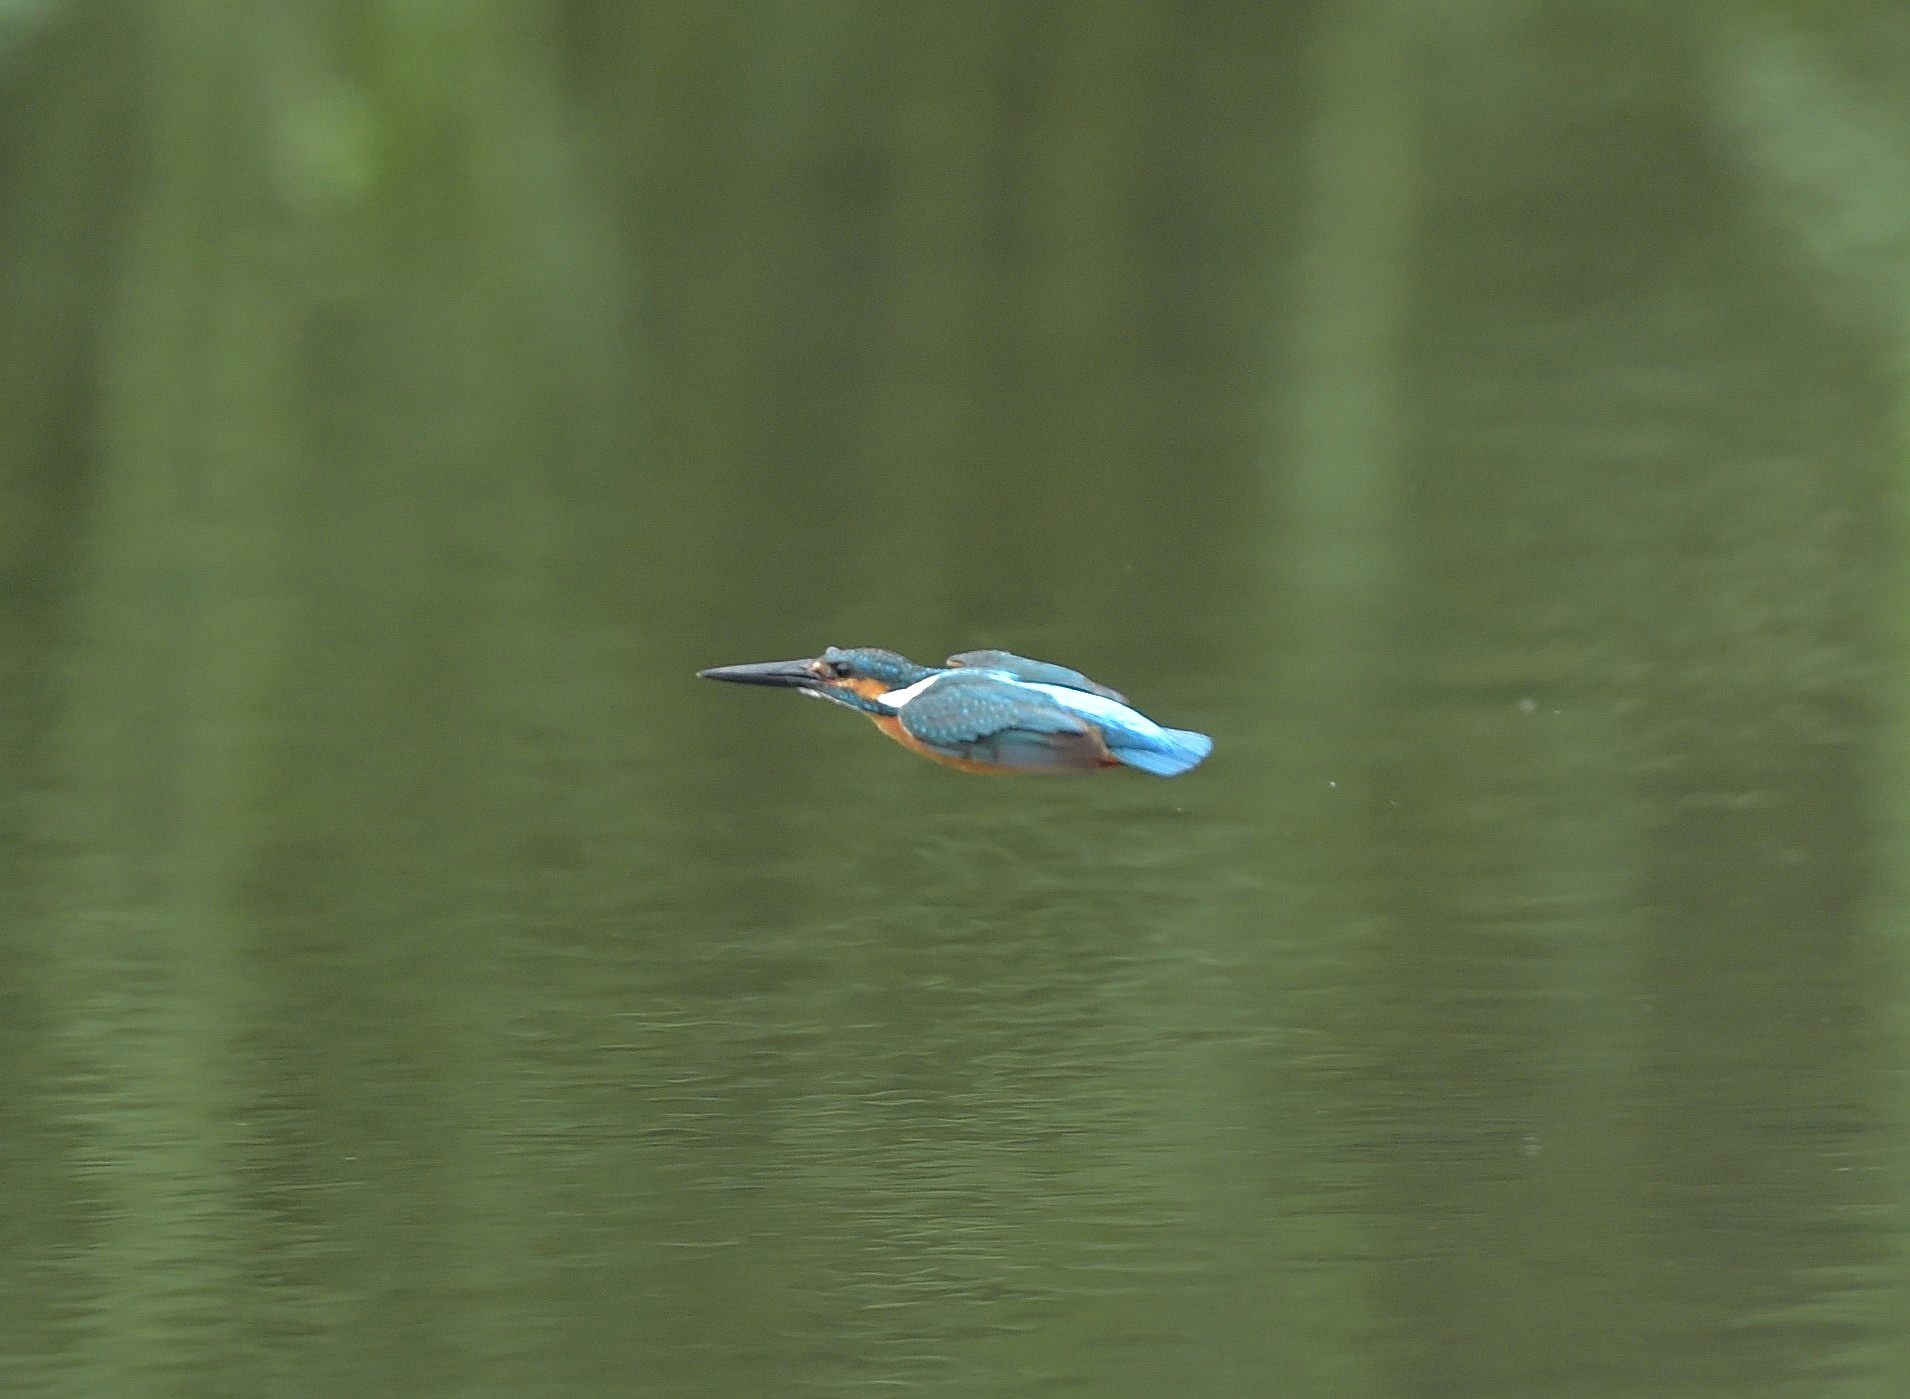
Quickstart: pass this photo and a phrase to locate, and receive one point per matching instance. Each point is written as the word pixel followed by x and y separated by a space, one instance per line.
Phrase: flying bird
pixel 986 711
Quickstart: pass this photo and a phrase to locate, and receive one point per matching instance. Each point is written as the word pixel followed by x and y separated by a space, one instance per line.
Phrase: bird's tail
pixel 1175 751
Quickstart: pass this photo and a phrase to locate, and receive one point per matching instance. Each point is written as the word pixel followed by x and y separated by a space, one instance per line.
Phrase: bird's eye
pixel 839 669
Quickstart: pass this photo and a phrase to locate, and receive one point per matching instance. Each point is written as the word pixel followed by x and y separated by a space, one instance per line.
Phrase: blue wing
pixel 981 719
pixel 1034 672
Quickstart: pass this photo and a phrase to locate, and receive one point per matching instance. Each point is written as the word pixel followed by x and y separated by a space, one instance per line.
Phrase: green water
pixel 1488 422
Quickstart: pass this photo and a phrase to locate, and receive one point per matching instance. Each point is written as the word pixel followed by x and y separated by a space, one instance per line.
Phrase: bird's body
pixel 987 711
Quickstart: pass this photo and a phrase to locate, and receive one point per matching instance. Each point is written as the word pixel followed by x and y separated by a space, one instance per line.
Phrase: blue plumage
pixel 990 710
pixel 1034 672
pixel 1011 718
pixel 979 717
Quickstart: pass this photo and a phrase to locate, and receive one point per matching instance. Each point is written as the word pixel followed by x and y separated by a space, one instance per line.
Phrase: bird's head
pixel 853 675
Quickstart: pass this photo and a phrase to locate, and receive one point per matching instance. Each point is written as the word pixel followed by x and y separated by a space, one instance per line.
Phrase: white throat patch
pixel 895 699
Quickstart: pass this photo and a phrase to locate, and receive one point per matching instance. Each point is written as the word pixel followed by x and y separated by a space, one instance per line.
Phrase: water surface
pixel 416 982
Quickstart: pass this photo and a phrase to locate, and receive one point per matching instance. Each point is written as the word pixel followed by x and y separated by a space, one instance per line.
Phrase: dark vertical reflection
pixel 61 174
pixel 1643 982
pixel 178 624
pixel 450 719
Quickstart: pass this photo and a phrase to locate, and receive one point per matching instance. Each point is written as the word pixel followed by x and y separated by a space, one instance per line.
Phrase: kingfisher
pixel 986 711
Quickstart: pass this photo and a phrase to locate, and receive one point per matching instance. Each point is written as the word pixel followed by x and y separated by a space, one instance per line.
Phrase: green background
pixel 1488 420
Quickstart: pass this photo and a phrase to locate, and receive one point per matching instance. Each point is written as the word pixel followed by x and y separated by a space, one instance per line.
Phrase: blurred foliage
pixel 1487 418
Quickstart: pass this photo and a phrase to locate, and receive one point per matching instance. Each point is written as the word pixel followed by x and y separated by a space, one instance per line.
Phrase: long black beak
pixel 795 675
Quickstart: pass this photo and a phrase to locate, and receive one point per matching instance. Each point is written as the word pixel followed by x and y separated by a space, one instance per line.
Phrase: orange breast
pixel 892 726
